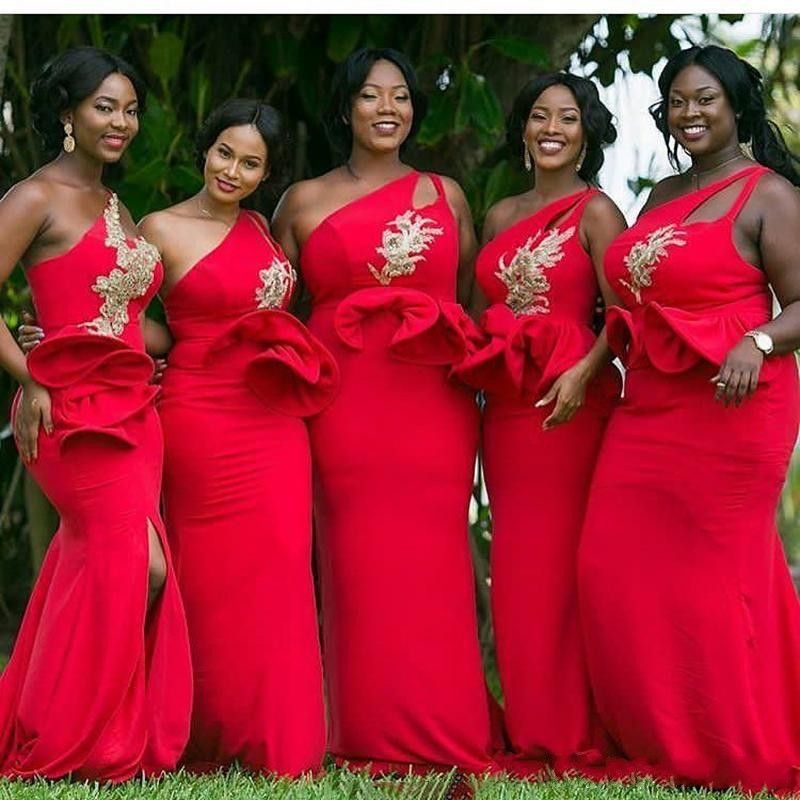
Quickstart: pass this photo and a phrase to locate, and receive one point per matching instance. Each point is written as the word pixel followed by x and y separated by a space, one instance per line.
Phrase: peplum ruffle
pixel 425 330
pixel 286 367
pixel 96 384
pixel 520 357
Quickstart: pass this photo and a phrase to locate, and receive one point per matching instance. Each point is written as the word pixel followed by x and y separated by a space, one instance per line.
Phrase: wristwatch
pixel 763 341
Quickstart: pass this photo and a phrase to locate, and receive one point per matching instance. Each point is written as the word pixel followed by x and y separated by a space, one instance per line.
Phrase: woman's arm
pixel 467 241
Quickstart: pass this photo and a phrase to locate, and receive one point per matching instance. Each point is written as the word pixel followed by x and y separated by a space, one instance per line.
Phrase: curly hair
pixel 348 80
pixel 69 78
pixel 744 87
pixel 596 119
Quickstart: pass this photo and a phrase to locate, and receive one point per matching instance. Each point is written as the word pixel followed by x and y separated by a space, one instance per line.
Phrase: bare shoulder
pixel 500 215
pixel 775 191
pixel 666 189
pixel 32 196
pixel 305 193
pixel 455 194
pixel 155 227
pixel 258 216
pixel 602 210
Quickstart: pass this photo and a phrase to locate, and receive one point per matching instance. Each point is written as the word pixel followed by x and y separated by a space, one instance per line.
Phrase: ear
pixel 267 173
pixel 65 117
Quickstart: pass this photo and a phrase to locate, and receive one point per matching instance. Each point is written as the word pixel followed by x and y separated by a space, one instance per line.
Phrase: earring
pixel 526 159
pixel 581 158
pixel 69 141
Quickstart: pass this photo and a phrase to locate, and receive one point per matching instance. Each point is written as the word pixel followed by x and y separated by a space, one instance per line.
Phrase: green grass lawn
pixel 340 784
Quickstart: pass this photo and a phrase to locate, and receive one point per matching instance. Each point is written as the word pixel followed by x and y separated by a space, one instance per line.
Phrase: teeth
pixel 695 129
pixel 551 146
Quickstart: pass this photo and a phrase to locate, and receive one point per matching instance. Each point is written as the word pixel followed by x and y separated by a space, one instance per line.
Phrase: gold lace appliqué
pixel 276 284
pixel 402 248
pixel 645 254
pixel 131 277
pixel 524 275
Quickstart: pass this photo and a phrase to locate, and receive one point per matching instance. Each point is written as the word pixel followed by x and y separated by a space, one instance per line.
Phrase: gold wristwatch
pixel 763 341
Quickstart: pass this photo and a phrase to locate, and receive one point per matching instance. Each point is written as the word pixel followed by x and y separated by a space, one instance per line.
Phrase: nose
pixel 387 104
pixel 231 169
pixel 552 125
pixel 691 108
pixel 119 120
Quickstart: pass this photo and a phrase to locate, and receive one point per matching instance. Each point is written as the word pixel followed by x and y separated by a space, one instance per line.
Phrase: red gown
pixel 394 458
pixel 542 288
pixel 691 621
pixel 237 495
pixel 97 687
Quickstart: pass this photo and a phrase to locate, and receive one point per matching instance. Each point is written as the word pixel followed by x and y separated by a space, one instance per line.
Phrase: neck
pixel 81 169
pixel 375 167
pixel 213 209
pixel 550 185
pixel 712 161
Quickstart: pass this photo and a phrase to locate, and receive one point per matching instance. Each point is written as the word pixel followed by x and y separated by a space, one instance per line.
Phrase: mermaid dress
pixel 241 377
pixel 541 287
pixel 394 457
pixel 97 687
pixel 691 621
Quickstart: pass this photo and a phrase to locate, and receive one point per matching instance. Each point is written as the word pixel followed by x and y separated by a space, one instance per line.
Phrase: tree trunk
pixel 6 21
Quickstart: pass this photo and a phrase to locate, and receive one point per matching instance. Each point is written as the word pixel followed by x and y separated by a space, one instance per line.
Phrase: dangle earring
pixel 581 158
pixel 526 159
pixel 69 141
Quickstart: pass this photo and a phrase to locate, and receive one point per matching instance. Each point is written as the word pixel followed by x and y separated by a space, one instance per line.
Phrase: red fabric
pixel 85 692
pixel 237 496
pixel 691 621
pixel 394 458
pixel 538 483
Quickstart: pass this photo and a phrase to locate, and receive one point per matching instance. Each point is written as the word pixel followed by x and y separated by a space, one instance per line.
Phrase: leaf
pixel 283 55
pixel 343 35
pixel 440 119
pixel 521 49
pixel 185 178
pixel 485 112
pixel 165 54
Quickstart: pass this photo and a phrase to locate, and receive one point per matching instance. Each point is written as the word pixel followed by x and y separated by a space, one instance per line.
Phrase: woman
pixel 242 375
pixel 691 621
pixel 85 693
pixel 541 270
pixel 382 248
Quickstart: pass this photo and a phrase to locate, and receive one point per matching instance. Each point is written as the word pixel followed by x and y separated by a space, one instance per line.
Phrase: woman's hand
pixel 158 371
pixel 569 393
pixel 738 376
pixel 29 334
pixel 33 411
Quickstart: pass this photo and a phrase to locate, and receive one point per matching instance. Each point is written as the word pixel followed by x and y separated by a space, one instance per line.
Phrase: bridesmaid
pixel 691 620
pixel 242 375
pixel 541 271
pixel 85 693
pixel 382 249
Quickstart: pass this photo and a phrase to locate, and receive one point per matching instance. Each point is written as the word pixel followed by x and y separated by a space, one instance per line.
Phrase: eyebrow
pixel 246 155
pixel 563 108
pixel 699 89
pixel 378 86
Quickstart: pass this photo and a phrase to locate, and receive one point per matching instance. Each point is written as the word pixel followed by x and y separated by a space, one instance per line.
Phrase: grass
pixel 341 784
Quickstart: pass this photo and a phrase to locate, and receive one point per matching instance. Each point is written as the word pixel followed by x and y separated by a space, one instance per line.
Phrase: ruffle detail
pixel 674 340
pixel 521 357
pixel 96 383
pixel 427 331
pixel 280 361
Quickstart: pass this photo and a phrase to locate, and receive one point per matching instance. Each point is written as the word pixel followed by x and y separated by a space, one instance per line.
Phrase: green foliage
pixel 341 784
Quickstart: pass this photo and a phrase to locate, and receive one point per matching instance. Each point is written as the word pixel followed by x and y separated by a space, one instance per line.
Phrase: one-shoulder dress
pixel 691 622
pixel 394 458
pixel 241 377
pixel 542 288
pixel 97 686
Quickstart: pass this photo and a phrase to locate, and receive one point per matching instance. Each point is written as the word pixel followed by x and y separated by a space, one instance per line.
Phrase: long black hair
pixel 744 88
pixel 66 80
pixel 348 80
pixel 596 119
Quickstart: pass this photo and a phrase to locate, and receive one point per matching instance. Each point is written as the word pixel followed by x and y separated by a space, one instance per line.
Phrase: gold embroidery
pixel 276 284
pixel 131 277
pixel 524 276
pixel 645 254
pixel 402 248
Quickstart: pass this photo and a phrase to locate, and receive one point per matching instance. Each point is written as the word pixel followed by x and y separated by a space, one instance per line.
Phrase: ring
pixel 720 384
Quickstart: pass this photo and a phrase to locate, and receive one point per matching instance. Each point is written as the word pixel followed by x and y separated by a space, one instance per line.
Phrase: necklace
pixel 206 213
pixel 697 174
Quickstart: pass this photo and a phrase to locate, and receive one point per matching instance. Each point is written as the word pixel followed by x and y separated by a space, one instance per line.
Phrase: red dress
pixel 96 686
pixel 691 621
pixel 394 458
pixel 542 288
pixel 237 495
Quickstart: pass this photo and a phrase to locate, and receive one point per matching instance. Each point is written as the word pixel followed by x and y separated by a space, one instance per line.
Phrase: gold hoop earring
pixel 581 159
pixel 526 158
pixel 69 141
